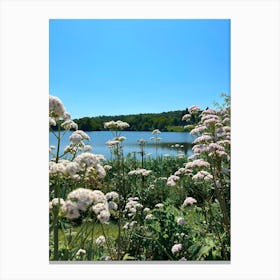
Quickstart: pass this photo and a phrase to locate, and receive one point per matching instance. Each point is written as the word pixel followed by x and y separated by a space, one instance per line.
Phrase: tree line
pixel 166 121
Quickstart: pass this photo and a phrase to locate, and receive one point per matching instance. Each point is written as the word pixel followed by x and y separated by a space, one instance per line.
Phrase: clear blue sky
pixel 112 67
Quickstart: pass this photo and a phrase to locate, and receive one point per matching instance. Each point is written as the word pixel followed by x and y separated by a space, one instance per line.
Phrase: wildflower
pixel 197 163
pixel 100 240
pixel 202 138
pixel 146 209
pixel 56 202
pixel 140 171
pixel 104 216
pixel 112 143
pixel 87 148
pixel 68 124
pixel 171 181
pixel 156 131
pixel 88 159
pixel 132 206
pixel 202 175
pixel 112 205
pixel 82 197
pixel 189 201
pixel 176 248
pixel 193 109
pixel 112 196
pixel 71 210
pixel 52 121
pixel 186 117
pixel 117 125
pixel 159 205
pixel 181 221
pixel 76 138
pixel 198 129
pixel 149 217
pixel 107 167
pixel 80 252
pixel 56 108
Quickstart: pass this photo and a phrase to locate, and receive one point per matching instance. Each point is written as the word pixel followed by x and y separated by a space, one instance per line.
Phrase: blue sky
pixel 113 67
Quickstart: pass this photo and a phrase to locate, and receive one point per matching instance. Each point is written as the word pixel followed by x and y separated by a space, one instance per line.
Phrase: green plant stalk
pixel 56 194
pixel 107 243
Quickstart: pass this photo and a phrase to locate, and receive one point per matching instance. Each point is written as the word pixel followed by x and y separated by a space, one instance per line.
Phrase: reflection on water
pixel 171 143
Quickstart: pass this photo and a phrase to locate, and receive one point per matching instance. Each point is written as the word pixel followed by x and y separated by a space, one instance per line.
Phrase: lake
pixel 168 139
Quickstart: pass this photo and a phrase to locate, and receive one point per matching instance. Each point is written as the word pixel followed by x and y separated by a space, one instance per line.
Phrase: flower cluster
pixel 140 171
pixel 189 201
pixel 171 181
pixel 81 199
pixel 176 248
pixel 116 125
pixel 56 109
pixel 132 206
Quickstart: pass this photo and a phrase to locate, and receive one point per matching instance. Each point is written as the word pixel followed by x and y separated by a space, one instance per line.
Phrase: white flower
pixel 107 167
pixel 193 109
pixel 181 221
pixel 118 125
pixel 156 131
pixel 71 210
pixel 52 121
pixel 149 217
pixel 140 171
pixel 202 175
pixel 56 202
pixel 112 196
pixel 104 216
pixel 100 240
pixel 112 205
pixel 159 205
pixel 186 117
pixel 171 181
pixel 176 248
pixel 83 198
pixel 68 124
pixel 189 201
pixel 80 252
pixel 56 108
pixel 197 163
pixel 87 148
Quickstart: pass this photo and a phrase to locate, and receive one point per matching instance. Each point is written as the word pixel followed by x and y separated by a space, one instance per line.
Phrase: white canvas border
pixel 24 137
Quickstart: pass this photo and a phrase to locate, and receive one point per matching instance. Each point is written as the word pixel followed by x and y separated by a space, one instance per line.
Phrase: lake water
pixel 99 138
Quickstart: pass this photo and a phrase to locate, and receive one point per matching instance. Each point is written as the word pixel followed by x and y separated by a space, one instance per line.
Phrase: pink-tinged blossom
pixel 193 109
pixel 202 175
pixel 70 210
pixel 207 117
pixel 171 181
pixel 209 112
pixel 140 171
pixel 176 248
pixel 198 129
pixel 186 117
pixel 202 138
pixel 189 201
pixel 197 163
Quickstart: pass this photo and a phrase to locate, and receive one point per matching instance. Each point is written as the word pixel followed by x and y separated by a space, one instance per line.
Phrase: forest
pixel 165 121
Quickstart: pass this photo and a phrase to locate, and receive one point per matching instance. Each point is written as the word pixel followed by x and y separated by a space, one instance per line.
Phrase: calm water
pixel 99 138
